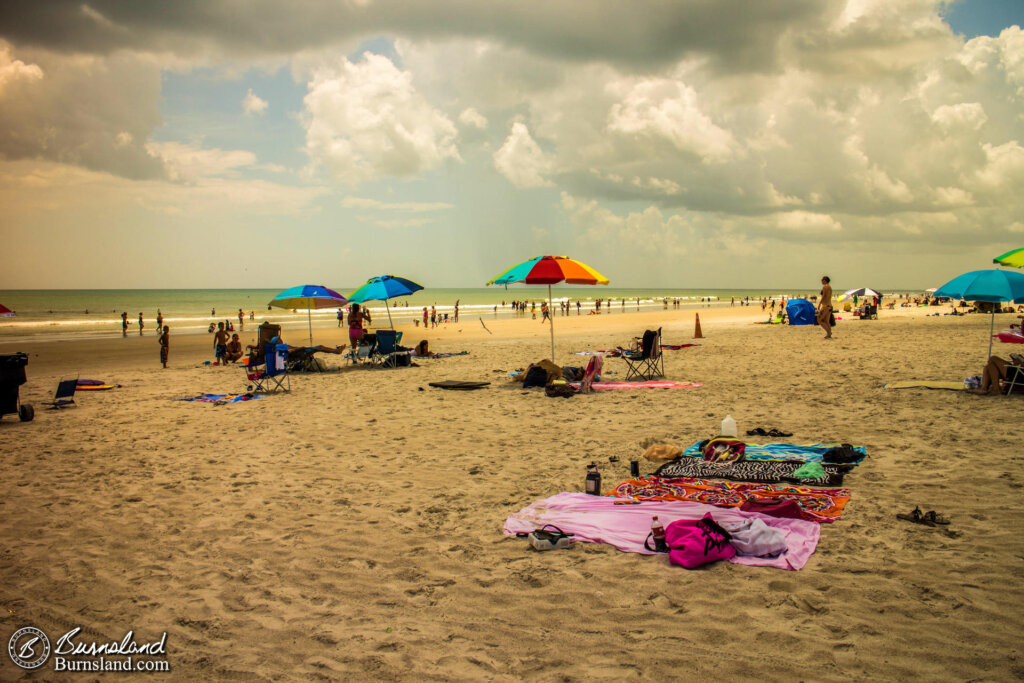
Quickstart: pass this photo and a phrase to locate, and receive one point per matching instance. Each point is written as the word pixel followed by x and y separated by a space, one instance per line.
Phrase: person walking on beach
pixel 433 316
pixel 241 319
pixel 424 317
pixel 165 341
pixel 825 307
pixel 140 323
pixel 159 320
pixel 124 324
pixel 341 316
pixel 544 311
pixel 455 317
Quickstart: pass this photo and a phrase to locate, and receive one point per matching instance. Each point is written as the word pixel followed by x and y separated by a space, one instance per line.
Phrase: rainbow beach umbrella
pixel 309 297
pixel 1013 258
pixel 549 270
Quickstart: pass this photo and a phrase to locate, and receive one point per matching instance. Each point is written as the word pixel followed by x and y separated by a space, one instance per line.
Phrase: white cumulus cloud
pixel 521 160
pixel 253 104
pixel 366 120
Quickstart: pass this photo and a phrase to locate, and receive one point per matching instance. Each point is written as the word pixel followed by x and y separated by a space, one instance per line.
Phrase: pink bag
pixel 693 542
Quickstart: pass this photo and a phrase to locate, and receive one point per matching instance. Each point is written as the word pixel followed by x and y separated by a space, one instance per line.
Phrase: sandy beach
pixel 353 527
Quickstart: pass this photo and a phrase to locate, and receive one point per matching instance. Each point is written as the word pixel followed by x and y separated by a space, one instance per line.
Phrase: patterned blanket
pixel 220 399
pixel 817 505
pixel 780 452
pixel 765 471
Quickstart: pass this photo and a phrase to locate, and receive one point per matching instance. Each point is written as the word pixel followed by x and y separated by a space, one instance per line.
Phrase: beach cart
pixel 12 376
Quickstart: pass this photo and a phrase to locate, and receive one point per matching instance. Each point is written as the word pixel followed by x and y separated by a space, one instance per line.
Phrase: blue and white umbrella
pixel 382 288
pixel 309 297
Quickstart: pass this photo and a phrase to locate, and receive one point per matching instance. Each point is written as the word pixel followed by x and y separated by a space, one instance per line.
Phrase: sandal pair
pixel 760 431
pixel 930 518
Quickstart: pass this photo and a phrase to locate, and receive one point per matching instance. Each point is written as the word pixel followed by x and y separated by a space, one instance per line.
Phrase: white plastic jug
pixel 728 426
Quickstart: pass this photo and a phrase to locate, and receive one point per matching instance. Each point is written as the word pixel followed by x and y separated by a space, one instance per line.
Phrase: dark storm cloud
pixel 735 34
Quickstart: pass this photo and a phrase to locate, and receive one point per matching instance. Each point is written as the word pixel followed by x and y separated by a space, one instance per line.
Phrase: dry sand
pixel 353 527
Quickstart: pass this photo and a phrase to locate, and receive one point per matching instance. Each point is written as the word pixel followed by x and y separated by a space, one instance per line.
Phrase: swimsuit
pixel 222 350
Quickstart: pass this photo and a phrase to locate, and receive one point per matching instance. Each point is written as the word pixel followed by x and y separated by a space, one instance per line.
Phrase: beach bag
pixel 695 542
pixel 841 455
pixel 556 389
pixel 724 450
pixel 536 376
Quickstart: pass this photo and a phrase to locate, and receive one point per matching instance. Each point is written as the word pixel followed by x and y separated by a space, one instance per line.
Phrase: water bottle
pixel 658 534
pixel 728 427
pixel 593 482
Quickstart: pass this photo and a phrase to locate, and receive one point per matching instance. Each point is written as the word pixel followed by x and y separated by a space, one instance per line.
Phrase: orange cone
pixel 696 329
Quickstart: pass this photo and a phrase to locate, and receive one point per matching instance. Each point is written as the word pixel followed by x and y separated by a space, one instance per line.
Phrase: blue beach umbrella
pixel 986 285
pixel 382 288
pixel 308 297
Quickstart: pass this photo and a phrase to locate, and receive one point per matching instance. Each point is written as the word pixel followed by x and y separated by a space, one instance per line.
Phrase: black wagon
pixel 12 376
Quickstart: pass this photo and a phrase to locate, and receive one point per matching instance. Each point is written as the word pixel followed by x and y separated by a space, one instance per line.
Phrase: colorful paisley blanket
pixel 779 452
pixel 816 505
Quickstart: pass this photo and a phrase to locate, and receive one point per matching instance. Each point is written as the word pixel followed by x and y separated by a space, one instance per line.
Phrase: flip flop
pixel 776 432
pixel 759 431
pixel 935 518
pixel 915 516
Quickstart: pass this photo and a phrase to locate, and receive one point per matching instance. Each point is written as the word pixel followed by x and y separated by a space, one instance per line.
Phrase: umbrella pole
pixel 551 321
pixel 388 308
pixel 309 319
pixel 991 329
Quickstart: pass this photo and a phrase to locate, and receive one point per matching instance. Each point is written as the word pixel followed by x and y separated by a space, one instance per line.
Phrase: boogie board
pixel 459 384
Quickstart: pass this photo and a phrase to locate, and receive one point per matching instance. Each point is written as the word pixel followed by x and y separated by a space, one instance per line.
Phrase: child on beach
pixel 124 324
pixel 140 323
pixel 164 345
pixel 220 344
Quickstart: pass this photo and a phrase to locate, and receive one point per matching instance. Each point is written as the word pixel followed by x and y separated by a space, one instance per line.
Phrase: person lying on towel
pixel 311 349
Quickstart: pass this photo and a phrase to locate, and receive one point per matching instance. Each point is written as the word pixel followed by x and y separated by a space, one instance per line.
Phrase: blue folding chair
pixel 64 397
pixel 386 353
pixel 272 374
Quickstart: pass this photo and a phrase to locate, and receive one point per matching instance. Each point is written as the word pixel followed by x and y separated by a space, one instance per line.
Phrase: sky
pixel 684 144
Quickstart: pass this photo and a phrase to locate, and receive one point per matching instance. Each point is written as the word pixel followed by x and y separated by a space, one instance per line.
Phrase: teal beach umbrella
pixel 382 288
pixel 986 285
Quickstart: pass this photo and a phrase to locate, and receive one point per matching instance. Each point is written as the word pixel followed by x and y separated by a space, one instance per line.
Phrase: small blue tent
pixel 800 312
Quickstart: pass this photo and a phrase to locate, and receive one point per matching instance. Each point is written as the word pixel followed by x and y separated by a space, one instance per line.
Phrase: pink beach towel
pixel 655 384
pixel 597 519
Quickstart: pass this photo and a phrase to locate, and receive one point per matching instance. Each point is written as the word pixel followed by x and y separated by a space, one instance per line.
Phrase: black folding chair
pixel 64 397
pixel 647 363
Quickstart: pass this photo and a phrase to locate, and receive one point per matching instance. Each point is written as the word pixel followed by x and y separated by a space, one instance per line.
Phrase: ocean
pixel 54 314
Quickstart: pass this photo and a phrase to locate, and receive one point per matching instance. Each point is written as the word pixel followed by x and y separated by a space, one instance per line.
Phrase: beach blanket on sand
pixel 780 452
pixel 442 355
pixel 220 399
pixel 765 472
pixel 597 519
pixel 924 384
pixel 816 505
pixel 655 384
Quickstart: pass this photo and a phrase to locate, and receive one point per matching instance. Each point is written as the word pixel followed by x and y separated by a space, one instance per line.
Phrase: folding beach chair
pixel 1014 377
pixel 65 394
pixel 647 363
pixel 387 352
pixel 271 375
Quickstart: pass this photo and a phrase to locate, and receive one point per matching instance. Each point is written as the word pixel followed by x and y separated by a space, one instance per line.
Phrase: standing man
pixel 825 306
pixel 241 319
pixel 455 318
pixel 140 323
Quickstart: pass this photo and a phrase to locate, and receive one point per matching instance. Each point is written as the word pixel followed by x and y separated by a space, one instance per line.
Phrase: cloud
pixel 188 163
pixel 471 117
pixel 365 120
pixel 521 159
pixel 253 104
pixel 668 109
pixel 94 112
pixel 415 207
